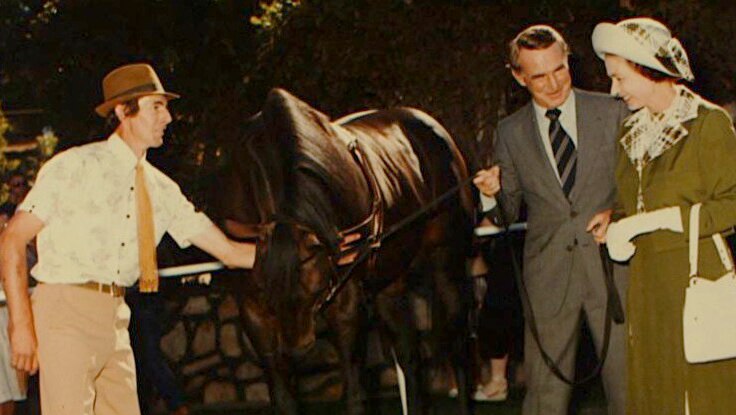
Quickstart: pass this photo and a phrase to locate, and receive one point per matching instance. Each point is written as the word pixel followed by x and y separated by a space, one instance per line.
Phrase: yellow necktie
pixel 146 240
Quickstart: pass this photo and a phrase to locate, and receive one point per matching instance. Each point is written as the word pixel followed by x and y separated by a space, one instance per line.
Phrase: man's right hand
pixel 488 181
pixel 23 346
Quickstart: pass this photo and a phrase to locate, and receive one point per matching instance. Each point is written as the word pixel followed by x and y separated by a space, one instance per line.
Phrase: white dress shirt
pixel 568 119
pixel 85 197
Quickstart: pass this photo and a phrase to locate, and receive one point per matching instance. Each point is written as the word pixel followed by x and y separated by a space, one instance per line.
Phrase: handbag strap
pixel 693 243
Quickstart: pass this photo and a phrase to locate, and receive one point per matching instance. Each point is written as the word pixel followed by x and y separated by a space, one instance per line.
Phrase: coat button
pixel 573 214
pixel 570 248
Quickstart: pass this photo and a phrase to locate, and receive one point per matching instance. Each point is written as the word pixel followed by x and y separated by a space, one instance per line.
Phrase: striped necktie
pixel 564 150
pixel 146 240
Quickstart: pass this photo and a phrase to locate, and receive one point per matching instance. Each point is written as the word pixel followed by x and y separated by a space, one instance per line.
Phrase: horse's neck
pixel 352 168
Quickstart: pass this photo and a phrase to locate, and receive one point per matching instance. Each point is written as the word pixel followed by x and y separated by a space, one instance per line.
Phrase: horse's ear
pixel 285 113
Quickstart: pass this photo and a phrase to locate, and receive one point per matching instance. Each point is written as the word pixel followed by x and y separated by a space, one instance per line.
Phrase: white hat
pixel 644 41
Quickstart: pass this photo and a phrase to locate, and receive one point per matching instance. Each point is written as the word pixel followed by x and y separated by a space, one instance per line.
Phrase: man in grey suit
pixel 557 154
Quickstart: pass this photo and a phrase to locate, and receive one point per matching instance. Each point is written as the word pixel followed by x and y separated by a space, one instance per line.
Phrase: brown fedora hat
pixel 128 82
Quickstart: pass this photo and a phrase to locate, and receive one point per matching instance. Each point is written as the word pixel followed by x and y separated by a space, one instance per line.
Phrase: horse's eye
pixel 311 242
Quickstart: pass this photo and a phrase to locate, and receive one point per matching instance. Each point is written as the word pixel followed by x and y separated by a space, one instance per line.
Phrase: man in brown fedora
pixel 98 212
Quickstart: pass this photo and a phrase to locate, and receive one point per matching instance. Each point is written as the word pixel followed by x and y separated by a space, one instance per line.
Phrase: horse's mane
pixel 313 172
pixel 299 171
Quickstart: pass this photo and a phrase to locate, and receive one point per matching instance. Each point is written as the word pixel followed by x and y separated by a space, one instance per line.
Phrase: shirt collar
pixel 123 153
pixel 567 109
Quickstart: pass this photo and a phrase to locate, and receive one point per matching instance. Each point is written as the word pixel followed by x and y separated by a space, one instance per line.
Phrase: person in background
pixel 500 322
pixel 13 383
pixel 17 189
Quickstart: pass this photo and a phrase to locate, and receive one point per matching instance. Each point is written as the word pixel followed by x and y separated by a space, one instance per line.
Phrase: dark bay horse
pixel 300 184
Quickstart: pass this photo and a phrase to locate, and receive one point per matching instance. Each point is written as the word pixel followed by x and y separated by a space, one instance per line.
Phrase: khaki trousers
pixel 86 363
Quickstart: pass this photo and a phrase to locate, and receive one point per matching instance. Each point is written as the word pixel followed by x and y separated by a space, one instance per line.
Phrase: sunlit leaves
pixel 272 13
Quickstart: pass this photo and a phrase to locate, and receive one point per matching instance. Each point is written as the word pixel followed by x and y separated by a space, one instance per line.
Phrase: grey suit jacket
pixel 556 226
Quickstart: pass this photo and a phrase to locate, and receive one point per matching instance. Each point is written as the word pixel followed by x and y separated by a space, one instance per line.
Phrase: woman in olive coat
pixel 675 150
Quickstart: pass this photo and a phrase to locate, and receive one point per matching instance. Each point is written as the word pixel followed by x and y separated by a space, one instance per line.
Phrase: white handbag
pixel 709 314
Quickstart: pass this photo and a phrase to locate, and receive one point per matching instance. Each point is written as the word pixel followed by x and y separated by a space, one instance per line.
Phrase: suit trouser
pixel 559 335
pixel 85 360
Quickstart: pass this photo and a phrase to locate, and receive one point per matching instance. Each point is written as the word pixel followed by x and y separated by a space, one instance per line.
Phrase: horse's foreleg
pixel 451 318
pixel 279 386
pixel 262 330
pixel 397 316
pixel 346 324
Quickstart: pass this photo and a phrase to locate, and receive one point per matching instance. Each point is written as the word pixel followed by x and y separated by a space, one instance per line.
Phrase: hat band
pixel 140 88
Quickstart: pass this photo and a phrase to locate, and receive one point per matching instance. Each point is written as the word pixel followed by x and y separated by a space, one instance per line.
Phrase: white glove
pixel 620 234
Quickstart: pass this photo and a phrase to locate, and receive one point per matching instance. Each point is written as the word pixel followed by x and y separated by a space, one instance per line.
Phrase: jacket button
pixel 573 214
pixel 570 248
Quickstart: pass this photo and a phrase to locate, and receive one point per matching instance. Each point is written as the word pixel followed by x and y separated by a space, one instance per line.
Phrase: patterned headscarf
pixel 644 41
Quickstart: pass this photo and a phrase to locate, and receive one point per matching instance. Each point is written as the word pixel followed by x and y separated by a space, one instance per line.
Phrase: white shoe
pixel 496 390
pixel 452 393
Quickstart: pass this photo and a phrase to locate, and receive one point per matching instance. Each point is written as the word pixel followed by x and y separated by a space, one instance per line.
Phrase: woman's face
pixel 626 82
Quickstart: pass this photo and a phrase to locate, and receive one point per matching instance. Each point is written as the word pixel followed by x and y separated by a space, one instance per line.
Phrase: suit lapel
pixel 587 120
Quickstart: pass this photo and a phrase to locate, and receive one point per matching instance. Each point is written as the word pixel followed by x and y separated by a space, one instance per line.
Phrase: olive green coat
pixel 699 168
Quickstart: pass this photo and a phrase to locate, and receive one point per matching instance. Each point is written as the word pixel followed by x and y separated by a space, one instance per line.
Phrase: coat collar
pixel 648 135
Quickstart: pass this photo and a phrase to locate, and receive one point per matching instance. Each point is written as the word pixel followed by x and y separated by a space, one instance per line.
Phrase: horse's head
pixel 292 178
pixel 297 270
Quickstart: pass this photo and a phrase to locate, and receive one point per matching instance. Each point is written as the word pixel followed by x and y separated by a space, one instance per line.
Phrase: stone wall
pixel 215 362
pixel 208 350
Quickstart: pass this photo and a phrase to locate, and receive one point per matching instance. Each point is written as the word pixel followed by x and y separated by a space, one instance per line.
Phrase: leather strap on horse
pixel 375 241
pixel 374 221
pixel 614 310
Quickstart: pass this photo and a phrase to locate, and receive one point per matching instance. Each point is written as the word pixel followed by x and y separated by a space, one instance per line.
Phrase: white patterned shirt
pixel 85 197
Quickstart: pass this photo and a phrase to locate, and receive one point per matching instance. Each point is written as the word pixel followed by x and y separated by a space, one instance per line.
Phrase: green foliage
pixel 272 13
pixel 4 164
pixel 26 162
pixel 445 57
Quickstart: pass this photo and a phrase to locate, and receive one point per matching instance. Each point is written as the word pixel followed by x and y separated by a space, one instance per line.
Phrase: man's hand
pixel 488 181
pixel 23 346
pixel 598 225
